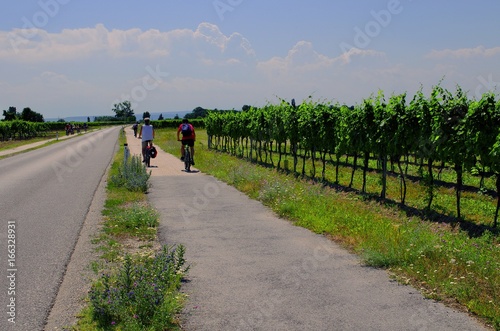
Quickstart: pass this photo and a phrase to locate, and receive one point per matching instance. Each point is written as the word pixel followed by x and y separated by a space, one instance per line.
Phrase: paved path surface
pixel 251 270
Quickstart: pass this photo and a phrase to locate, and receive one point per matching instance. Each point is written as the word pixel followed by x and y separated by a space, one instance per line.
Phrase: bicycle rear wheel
pixel 147 156
pixel 187 160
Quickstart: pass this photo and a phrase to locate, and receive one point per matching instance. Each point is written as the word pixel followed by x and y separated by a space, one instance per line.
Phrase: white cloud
pixel 36 45
pixel 303 58
pixel 302 55
pixel 464 53
pixel 354 52
pixel 52 78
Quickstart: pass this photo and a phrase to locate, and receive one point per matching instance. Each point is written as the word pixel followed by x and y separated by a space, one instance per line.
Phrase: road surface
pixel 45 195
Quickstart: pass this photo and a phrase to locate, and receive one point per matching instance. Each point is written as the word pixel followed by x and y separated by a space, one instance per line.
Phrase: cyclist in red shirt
pixel 188 137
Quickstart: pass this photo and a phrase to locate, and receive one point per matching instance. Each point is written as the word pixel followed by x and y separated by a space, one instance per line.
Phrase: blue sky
pixel 77 58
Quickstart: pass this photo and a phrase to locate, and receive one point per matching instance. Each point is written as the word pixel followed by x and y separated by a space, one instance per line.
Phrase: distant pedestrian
pixel 134 127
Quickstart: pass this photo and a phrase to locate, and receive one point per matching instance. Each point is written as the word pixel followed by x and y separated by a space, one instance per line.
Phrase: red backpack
pixel 152 152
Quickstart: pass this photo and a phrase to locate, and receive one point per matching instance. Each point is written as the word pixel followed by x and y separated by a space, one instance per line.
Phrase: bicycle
pixel 187 158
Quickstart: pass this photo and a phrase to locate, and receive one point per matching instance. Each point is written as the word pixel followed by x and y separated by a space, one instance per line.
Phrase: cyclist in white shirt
pixel 147 134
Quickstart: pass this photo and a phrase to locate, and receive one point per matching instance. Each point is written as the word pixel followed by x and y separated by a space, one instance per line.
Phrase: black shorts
pixel 145 144
pixel 189 142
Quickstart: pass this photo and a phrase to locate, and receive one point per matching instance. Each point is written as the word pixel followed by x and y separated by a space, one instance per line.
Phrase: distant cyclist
pixel 188 137
pixel 134 127
pixel 147 134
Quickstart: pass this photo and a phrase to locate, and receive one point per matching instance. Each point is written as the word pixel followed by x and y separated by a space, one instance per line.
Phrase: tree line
pixel 26 115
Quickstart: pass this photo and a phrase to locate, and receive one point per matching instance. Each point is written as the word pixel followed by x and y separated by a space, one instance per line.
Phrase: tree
pixel 198 112
pixel 11 114
pixel 246 107
pixel 31 116
pixel 160 118
pixel 124 111
pixel 106 119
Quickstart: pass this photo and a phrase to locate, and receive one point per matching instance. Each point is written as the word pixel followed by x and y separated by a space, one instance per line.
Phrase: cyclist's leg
pixel 187 154
pixel 148 157
pixel 145 152
pixel 144 144
pixel 183 142
pixel 191 150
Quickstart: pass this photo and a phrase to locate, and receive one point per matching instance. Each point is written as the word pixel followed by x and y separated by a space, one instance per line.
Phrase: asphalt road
pixel 45 195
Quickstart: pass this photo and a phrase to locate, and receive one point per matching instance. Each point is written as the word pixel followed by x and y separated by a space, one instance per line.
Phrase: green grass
pixel 137 220
pixel 136 290
pixel 477 204
pixel 5 145
pixel 443 261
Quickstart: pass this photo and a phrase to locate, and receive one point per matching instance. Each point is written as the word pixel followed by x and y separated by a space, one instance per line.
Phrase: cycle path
pixel 251 270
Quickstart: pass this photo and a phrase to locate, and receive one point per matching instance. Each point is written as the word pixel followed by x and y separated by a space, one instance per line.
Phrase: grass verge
pixel 440 259
pixel 5 145
pixel 47 140
pixel 137 280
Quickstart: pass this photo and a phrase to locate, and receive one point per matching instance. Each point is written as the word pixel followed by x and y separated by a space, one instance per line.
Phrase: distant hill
pixel 154 116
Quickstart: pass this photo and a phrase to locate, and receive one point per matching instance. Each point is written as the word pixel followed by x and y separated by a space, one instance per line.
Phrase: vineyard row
pixel 444 127
pixel 20 129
